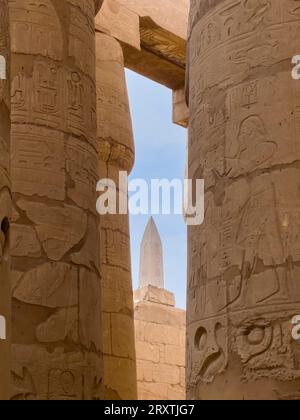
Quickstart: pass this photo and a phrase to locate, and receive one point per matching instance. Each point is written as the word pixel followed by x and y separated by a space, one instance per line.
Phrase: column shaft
pixel 244 141
pixel 5 202
pixel 115 142
pixel 55 242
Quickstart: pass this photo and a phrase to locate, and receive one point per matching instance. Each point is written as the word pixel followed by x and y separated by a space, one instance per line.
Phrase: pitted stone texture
pixel 56 286
pixel 5 203
pixel 244 141
pixel 116 151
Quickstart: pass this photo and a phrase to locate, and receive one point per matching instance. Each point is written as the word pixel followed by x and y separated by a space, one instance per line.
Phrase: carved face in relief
pixel 209 351
pixel 264 348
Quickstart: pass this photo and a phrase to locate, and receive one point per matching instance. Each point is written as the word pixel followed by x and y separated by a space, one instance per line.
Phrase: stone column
pixel 5 203
pixel 55 244
pixel 115 142
pixel 244 141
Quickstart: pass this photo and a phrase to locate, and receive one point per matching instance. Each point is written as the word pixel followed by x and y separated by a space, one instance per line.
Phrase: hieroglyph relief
pixel 5 201
pixel 54 240
pixel 244 141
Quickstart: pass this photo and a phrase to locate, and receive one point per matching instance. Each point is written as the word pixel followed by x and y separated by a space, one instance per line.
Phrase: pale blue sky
pixel 160 153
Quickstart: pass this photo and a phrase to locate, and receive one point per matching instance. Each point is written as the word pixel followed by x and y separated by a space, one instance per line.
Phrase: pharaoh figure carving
pixel 54 240
pixel 116 152
pixel 244 141
pixel 5 202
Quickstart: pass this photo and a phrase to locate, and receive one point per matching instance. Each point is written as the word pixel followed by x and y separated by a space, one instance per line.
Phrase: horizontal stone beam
pixel 152 34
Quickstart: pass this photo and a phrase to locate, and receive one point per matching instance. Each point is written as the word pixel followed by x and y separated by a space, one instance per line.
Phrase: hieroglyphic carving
pixel 56 285
pixel 244 260
pixel 116 151
pixel 5 202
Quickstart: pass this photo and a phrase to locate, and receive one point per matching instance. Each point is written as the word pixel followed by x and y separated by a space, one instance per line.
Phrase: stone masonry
pixel 56 341
pixel 5 202
pixel 244 262
pixel 159 328
pixel 72 300
pixel 116 151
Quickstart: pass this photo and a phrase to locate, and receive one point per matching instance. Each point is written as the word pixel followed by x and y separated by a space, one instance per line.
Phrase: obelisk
pixel 151 258
pixel 5 202
pixel 160 327
pixel 116 154
pixel 244 260
pixel 55 242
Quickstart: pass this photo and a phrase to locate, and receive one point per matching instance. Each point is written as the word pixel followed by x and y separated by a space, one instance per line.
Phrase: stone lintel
pixel 153 46
pixel 180 108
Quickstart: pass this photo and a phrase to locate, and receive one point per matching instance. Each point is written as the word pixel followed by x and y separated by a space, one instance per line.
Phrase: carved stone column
pixel 55 242
pixel 244 141
pixel 5 203
pixel 115 142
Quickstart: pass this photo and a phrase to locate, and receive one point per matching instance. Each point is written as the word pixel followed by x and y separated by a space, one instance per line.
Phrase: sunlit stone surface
pixel 244 270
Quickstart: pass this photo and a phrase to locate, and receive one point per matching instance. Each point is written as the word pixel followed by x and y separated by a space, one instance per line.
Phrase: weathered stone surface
pixel 155 295
pixel 120 387
pixel 5 202
pixel 151 260
pixel 23 237
pixel 116 151
pixel 244 140
pixel 160 351
pixel 52 285
pixel 180 109
pixel 56 287
pixel 153 37
pixel 157 312
pixel 159 327
pixel 59 376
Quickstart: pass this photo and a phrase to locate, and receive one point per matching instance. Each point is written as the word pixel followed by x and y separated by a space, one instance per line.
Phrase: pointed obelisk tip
pixel 151 260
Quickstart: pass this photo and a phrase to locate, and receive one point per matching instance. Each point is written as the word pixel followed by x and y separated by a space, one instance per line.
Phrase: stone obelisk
pixel 116 146
pixel 54 240
pixel 159 327
pixel 5 202
pixel 151 258
pixel 244 270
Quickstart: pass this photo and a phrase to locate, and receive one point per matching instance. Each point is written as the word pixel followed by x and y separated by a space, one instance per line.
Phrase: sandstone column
pixel 5 203
pixel 55 245
pixel 244 141
pixel 115 142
